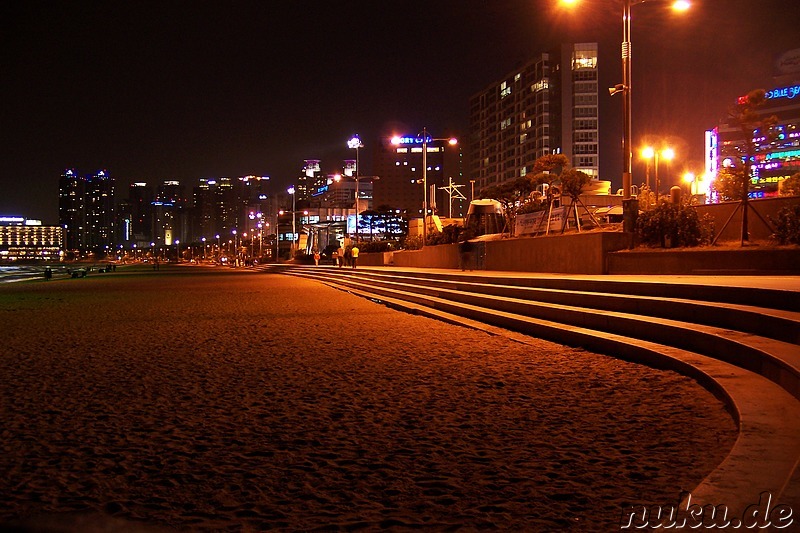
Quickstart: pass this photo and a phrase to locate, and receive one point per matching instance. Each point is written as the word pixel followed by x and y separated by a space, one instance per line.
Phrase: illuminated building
pixel 310 180
pixel 777 155
pixel 400 170
pixel 71 211
pixel 547 106
pixel 86 210
pixel 25 240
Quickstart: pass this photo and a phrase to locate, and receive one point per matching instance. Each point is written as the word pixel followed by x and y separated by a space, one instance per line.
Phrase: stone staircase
pixel 741 343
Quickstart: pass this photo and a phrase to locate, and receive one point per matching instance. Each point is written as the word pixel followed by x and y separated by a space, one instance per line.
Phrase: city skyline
pixel 184 91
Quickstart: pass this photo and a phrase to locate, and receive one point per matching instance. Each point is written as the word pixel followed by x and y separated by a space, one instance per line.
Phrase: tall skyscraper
pixel 86 210
pixel 71 212
pixel 100 211
pixel 547 106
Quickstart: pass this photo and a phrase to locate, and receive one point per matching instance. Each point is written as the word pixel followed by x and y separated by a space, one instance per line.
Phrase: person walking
pixel 354 255
pixel 340 256
pixel 316 257
pixel 348 256
pixel 465 248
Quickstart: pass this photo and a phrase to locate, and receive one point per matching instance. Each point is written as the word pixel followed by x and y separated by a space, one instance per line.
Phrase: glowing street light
pixel 689 180
pixel 291 190
pixel 424 139
pixel 354 144
pixel 648 153
pixel 625 89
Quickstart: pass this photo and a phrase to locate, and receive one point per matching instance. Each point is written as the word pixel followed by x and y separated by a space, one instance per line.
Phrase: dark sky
pixel 188 89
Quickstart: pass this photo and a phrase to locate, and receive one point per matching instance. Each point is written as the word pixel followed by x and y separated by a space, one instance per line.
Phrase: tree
pixel 511 195
pixel 736 179
pixel 791 186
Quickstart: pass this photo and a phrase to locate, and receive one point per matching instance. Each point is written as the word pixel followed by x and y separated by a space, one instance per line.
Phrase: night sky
pixel 188 89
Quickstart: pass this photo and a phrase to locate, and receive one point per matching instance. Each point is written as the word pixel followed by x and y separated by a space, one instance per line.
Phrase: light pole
pixel 291 190
pixel 424 139
pixel 177 251
pixel 204 248
pixel 355 143
pixel 651 153
pixel 629 205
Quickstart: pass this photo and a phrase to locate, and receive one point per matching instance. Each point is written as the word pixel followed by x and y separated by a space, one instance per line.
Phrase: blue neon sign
pixel 784 92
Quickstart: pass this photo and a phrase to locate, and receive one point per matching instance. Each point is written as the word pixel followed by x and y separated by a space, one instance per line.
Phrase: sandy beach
pixel 210 399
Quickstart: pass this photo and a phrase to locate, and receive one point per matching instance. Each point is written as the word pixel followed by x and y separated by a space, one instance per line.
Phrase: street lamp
pixel 625 88
pixel 425 139
pixel 177 251
pixel 355 143
pixel 291 190
pixel 689 179
pixel 204 248
pixel 667 154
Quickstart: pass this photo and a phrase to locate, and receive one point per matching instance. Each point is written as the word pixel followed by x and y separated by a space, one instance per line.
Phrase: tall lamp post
pixel 651 153
pixel 355 143
pixel 425 139
pixel 628 204
pixel 291 190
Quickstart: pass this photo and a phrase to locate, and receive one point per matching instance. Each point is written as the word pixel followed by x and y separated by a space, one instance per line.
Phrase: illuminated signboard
pixel 409 140
pixel 784 92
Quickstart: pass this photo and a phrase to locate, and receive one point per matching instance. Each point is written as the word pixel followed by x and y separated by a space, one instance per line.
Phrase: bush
pixel 787 227
pixel 413 243
pixel 671 225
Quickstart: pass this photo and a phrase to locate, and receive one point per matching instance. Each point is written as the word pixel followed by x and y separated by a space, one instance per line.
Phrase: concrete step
pixel 763 321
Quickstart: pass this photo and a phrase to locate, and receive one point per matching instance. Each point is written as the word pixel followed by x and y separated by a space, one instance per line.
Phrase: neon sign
pixel 410 140
pixel 784 92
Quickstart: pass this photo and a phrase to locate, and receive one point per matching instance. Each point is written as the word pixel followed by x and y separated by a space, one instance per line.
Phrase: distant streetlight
pixel 648 153
pixel 291 190
pixel 425 139
pixel 204 248
pixel 689 180
pixel 177 251
pixel 354 144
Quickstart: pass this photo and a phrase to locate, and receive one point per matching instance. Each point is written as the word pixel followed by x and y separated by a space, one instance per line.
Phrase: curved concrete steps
pixel 746 354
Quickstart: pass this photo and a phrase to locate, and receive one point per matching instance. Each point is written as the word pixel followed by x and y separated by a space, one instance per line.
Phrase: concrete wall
pixel 576 253
pixel 767 207
pixel 441 256
pixel 375 259
pixel 579 253
pixel 706 261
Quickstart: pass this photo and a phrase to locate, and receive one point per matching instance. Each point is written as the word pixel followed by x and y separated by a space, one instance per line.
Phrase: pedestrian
pixel 340 256
pixel 465 251
pixel 354 255
pixel 348 256
pixel 316 257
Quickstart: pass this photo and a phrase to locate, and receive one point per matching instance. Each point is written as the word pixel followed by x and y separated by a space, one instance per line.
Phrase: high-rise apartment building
pixel 86 210
pixel 547 106
pixel 71 212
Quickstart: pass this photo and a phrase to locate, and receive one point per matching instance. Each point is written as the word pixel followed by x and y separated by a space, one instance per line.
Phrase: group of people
pixel 342 257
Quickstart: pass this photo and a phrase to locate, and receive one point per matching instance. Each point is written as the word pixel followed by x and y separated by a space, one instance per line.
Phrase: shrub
pixel 413 242
pixel 787 227
pixel 673 225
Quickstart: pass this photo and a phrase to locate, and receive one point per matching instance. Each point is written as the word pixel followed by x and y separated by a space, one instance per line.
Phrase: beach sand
pixel 213 399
